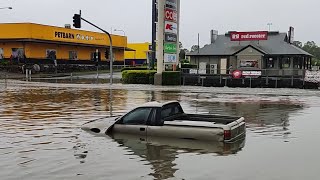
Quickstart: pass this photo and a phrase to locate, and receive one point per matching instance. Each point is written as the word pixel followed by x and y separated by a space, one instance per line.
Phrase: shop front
pixel 42 44
pixel 269 53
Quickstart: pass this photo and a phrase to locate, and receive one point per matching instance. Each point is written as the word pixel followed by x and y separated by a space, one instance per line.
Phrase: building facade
pixel 36 43
pixel 251 54
pixel 139 53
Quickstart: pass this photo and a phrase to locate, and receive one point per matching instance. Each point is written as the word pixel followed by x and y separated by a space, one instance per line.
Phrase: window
pixel 73 55
pixel 51 54
pixel 17 55
pixel 137 117
pixel 270 62
pixel 285 62
pixel 249 63
pixel 1 54
pixel 170 110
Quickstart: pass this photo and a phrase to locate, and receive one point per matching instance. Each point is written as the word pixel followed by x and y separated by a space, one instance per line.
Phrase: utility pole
pixel 154 33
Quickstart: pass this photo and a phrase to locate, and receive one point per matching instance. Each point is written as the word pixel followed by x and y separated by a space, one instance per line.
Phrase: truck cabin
pixel 153 114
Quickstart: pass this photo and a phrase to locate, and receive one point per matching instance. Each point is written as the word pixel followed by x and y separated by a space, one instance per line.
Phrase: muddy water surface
pixel 41 138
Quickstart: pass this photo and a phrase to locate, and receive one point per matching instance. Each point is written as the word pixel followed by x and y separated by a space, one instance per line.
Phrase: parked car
pixel 168 119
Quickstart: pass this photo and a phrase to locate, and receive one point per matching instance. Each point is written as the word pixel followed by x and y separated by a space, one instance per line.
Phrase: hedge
pixel 147 77
pixel 171 78
pixel 138 76
pixel 133 68
pixel 188 66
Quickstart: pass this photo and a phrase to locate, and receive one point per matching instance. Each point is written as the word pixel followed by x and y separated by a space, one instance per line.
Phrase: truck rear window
pixel 171 110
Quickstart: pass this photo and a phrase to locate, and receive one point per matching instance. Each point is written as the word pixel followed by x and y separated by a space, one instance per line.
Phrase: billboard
pixel 170 15
pixel 249 36
pixel 170 37
pixel 170 48
pixel 172 4
pixel 170 58
pixel 170 27
pixel 312 76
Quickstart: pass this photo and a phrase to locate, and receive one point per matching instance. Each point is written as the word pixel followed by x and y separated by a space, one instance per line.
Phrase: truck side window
pixel 137 117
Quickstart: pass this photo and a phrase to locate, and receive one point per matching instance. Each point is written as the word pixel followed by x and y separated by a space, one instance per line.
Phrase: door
pixel 223 66
pixel 134 123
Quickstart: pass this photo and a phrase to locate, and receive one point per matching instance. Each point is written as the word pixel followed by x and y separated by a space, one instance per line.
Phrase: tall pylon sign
pixel 167 37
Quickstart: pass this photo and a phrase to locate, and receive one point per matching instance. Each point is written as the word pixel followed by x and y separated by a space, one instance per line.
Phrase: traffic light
pixel 77 20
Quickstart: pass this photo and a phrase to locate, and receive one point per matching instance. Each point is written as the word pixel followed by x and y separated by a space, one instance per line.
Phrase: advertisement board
pixel 170 15
pixel 251 73
pixel 249 36
pixel 170 58
pixel 312 76
pixel 172 4
pixel 170 27
pixel 170 48
pixel 170 37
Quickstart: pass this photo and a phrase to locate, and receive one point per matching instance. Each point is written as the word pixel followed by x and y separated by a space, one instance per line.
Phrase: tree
pixel 194 48
pixel 182 55
pixel 180 45
pixel 312 48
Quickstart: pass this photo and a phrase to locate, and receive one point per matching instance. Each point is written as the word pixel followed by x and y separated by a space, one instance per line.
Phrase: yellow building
pixel 40 43
pixel 139 55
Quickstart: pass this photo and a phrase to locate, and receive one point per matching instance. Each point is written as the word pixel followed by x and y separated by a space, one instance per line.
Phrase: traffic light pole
pixel 111 54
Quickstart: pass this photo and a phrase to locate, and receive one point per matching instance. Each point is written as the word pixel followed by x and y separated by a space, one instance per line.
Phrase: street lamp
pixel 124 48
pixel 269 24
pixel 5 7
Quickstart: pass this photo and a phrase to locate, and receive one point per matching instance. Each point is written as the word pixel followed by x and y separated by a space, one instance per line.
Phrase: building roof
pixel 275 45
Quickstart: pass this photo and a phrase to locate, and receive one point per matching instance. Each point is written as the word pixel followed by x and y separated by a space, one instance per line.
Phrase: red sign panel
pixel 249 36
pixel 171 15
pixel 236 74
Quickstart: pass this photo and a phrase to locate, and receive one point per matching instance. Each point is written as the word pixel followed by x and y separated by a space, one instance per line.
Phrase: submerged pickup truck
pixel 156 119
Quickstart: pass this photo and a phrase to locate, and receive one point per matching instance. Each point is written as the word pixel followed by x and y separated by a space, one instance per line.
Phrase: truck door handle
pixel 142 129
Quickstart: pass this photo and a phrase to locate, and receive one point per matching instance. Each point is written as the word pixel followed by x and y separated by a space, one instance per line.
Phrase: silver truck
pixel 156 119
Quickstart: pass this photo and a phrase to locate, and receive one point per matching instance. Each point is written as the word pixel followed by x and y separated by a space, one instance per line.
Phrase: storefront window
pixel 17 55
pixel 270 62
pixel 73 55
pixel 286 62
pixel 249 64
pixel 1 54
pixel 51 54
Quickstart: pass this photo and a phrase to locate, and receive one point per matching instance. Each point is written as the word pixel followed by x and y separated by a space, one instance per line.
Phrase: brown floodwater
pixel 41 136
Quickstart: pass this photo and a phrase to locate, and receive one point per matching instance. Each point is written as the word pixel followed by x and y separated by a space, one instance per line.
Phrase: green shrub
pixel 171 78
pixel 133 68
pixel 188 66
pixel 138 76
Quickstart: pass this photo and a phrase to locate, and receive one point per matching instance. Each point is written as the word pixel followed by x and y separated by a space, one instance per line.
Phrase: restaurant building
pixel 255 54
pixel 41 44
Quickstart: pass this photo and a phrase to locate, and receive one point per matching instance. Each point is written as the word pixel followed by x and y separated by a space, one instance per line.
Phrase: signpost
pixel 168 36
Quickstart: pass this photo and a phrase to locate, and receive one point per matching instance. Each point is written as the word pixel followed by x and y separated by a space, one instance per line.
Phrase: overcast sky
pixel 197 16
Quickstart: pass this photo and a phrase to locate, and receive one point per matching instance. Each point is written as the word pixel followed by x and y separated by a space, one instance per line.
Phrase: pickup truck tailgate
pixel 235 129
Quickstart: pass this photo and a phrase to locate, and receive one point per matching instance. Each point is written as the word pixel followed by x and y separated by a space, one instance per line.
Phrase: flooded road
pixel 41 136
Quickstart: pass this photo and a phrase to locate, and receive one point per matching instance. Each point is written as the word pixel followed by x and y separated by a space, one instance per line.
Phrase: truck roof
pixel 157 104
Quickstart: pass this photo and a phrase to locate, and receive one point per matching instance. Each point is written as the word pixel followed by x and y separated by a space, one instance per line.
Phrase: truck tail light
pixel 227 134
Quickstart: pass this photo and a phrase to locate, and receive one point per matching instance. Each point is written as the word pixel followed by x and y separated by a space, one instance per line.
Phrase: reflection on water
pixel 41 139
